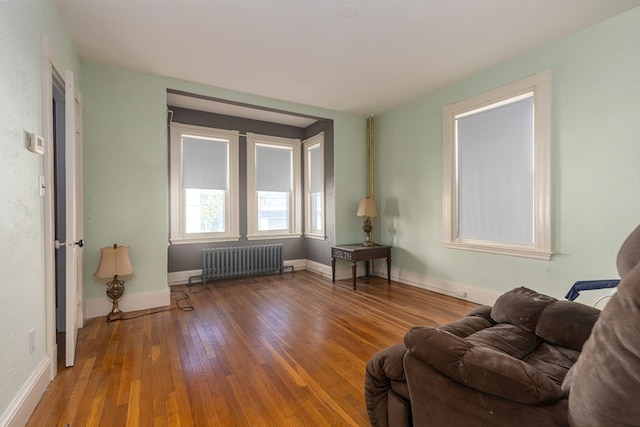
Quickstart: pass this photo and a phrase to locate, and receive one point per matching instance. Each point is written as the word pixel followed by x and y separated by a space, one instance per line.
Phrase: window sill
pixel 274 236
pixel 315 236
pixel 191 240
pixel 511 250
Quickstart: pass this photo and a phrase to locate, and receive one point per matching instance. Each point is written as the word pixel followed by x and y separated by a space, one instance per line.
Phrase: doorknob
pixel 57 243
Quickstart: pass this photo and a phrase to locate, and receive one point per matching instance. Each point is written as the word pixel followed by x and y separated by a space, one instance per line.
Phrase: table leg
pixel 333 269
pixel 389 269
pixel 353 273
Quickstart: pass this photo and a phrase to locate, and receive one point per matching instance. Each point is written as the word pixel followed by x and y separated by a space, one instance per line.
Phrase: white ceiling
pixel 361 56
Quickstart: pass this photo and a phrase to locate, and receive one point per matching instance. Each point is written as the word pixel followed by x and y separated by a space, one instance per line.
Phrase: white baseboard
pixel 456 290
pixel 97 307
pixel 343 272
pixel 182 277
pixel 317 268
pixel 21 408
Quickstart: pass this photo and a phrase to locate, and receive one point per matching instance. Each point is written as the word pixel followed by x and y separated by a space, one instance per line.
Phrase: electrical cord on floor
pixel 178 301
pixel 184 298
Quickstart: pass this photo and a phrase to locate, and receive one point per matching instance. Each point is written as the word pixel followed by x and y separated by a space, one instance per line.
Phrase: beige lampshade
pixel 367 208
pixel 114 261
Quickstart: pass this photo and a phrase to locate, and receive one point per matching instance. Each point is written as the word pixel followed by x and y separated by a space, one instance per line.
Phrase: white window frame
pixel 312 143
pixel 295 205
pixel 232 221
pixel 540 86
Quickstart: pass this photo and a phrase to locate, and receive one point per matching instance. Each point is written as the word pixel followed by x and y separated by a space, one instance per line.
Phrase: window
pixel 314 186
pixel 204 184
pixel 273 189
pixel 497 170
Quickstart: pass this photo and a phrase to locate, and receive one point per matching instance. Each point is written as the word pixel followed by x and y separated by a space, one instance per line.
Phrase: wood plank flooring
pixel 285 350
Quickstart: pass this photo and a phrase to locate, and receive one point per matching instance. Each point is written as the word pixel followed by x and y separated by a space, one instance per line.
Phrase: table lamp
pixel 114 262
pixel 367 209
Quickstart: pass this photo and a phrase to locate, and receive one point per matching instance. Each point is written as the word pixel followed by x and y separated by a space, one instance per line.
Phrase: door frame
pixel 49 65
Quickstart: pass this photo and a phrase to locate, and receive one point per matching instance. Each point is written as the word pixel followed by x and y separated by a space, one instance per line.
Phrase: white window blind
pixel 205 163
pixel 273 169
pixel 315 169
pixel 495 173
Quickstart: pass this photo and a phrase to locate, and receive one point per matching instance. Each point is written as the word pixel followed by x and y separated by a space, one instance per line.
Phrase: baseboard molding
pixel 343 272
pixel 456 290
pixel 182 277
pixel 97 307
pixel 21 408
pixel 317 268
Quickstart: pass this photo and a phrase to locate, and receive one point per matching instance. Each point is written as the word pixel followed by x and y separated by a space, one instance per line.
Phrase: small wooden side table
pixel 358 252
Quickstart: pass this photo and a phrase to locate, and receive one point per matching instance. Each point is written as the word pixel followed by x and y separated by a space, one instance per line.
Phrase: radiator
pixel 230 262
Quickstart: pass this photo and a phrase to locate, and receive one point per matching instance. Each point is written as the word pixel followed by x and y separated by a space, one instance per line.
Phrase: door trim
pixel 50 65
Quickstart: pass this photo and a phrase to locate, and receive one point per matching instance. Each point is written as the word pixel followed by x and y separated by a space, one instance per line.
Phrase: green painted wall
pixel 596 178
pixel 595 157
pixel 22 272
pixel 126 170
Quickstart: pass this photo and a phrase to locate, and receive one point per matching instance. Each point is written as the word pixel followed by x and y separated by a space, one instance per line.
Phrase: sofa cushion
pixel 553 361
pixel 466 326
pixel 567 323
pixel 521 307
pixel 506 338
pixel 482 368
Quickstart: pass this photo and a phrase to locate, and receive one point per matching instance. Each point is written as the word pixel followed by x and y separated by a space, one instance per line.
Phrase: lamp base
pixel 367 227
pixel 115 314
pixel 115 290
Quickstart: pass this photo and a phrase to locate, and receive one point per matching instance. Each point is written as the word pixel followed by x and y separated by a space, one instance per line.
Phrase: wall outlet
pixel 32 341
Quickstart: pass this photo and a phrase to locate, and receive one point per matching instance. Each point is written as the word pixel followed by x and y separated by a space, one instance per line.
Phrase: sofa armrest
pixel 385 389
pixel 437 400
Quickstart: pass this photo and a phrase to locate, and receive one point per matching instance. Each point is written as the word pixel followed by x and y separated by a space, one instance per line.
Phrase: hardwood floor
pixel 285 350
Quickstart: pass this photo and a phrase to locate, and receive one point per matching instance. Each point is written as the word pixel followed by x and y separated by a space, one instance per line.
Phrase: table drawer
pixel 341 254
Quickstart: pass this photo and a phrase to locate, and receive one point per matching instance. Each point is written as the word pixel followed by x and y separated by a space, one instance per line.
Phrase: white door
pixel 73 203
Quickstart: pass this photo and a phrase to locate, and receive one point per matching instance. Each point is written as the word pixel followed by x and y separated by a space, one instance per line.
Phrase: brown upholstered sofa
pixel 530 360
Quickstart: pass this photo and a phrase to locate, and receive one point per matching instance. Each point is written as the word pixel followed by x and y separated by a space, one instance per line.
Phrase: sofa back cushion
pixel 567 324
pixel 521 307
